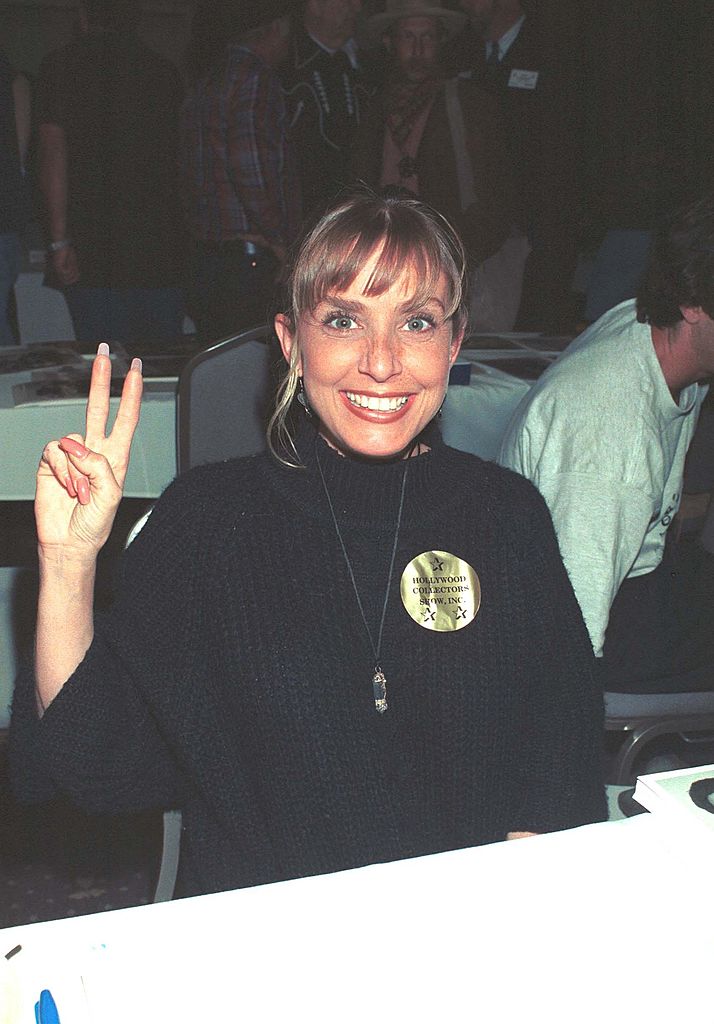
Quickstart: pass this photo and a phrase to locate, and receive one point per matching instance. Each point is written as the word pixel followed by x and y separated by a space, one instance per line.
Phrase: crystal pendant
pixel 379 685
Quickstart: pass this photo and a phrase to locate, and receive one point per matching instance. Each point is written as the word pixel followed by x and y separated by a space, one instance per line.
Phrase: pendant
pixel 379 685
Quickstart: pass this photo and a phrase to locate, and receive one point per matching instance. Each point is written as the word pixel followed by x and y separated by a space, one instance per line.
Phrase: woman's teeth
pixel 377 404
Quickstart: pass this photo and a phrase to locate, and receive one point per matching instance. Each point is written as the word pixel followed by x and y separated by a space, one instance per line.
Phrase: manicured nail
pixel 70 487
pixel 136 364
pixel 103 349
pixel 72 447
pixel 83 490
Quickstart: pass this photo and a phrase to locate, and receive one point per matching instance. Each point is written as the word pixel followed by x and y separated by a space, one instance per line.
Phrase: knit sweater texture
pixel 233 676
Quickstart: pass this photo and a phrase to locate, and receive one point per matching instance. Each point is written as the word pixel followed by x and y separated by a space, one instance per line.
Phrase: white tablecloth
pixel 474 416
pixel 602 923
pixel 25 429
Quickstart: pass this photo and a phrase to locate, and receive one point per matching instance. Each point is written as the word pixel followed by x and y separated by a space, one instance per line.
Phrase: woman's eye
pixel 341 322
pixel 415 324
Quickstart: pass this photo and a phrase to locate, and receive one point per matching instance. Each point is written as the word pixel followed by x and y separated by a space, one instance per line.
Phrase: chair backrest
pixel 223 398
pixel 170 853
pixel 642 718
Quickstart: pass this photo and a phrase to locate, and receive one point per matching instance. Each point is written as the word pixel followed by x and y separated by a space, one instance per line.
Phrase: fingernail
pixel 102 348
pixel 70 487
pixel 83 490
pixel 136 364
pixel 68 444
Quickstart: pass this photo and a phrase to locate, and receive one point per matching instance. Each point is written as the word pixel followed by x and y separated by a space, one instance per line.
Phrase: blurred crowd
pixel 165 191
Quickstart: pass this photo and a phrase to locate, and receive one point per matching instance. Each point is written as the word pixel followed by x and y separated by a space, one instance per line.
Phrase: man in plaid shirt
pixel 240 192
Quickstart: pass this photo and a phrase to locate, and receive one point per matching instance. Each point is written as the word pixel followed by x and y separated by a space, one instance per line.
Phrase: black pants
pixel 230 290
pixel 660 637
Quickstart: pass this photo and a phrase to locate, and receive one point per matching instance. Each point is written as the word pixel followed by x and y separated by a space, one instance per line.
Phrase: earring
pixel 302 398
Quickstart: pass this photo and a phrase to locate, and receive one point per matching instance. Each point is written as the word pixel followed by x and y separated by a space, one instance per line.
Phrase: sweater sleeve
pixel 106 739
pixel 560 758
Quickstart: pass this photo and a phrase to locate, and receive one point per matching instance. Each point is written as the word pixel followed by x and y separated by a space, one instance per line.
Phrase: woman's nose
pixel 380 358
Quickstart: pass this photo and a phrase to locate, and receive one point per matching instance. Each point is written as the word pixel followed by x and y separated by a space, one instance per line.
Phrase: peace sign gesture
pixel 80 479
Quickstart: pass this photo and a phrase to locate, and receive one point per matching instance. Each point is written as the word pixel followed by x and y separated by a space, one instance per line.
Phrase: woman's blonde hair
pixel 333 251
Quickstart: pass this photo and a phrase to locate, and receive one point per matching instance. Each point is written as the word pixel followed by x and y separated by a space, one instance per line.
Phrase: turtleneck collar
pixel 367 491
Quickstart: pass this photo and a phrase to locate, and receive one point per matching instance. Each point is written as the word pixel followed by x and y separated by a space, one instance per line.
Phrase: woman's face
pixel 375 368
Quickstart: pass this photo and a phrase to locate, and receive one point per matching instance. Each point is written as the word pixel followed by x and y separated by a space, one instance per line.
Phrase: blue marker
pixel 46 1009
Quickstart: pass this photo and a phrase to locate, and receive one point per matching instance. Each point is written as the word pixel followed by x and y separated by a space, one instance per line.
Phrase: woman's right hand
pixel 80 479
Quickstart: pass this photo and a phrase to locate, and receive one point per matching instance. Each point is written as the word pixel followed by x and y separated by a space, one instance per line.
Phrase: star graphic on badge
pixel 460 613
pixel 437 565
pixel 429 615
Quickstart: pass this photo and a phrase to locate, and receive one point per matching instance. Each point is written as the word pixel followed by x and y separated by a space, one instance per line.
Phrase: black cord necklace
pixel 379 680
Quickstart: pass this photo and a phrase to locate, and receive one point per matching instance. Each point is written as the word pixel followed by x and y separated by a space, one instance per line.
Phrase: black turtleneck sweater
pixel 233 677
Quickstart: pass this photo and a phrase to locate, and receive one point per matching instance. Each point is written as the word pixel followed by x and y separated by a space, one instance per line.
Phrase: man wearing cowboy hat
pixel 438 138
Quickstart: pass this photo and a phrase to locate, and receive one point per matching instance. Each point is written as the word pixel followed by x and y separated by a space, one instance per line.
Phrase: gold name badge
pixel 440 591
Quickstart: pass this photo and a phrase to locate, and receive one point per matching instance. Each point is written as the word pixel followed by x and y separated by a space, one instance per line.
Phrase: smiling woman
pixel 372 334
pixel 363 649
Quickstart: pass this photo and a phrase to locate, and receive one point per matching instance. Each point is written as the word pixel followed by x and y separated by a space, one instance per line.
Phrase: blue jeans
pixel 150 315
pixel 9 269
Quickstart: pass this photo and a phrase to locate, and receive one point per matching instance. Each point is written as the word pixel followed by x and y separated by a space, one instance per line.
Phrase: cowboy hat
pixel 396 10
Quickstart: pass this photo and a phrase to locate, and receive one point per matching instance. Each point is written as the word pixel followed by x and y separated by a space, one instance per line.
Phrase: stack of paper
pixel 681 799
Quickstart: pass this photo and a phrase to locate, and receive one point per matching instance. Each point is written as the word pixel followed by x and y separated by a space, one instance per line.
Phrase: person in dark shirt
pixel 240 194
pixel 108 119
pixel 356 647
pixel 534 70
pixel 440 138
pixel 328 79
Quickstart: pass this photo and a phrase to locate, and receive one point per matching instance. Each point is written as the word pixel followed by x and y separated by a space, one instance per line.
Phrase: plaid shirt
pixel 236 173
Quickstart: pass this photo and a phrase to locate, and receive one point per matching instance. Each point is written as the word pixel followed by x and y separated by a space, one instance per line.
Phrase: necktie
pixel 494 58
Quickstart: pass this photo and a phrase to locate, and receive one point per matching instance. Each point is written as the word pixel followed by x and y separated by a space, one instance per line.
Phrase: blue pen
pixel 46 1009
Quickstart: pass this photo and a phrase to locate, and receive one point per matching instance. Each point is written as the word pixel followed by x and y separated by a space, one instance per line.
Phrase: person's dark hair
pixel 216 23
pixel 113 15
pixel 334 248
pixel 680 267
pixel 212 28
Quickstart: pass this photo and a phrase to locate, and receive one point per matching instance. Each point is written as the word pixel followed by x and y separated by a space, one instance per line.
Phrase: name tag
pixel 522 79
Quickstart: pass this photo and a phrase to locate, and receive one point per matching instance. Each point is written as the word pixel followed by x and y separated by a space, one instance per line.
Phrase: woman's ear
pixel 286 337
pixel 456 344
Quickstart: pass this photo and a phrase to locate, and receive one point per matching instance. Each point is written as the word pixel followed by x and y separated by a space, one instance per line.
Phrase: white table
pixel 602 923
pixel 25 429
pixel 474 416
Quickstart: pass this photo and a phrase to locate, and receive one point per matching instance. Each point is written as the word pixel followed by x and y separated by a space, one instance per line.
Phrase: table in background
pixel 25 429
pixel 601 923
pixel 503 368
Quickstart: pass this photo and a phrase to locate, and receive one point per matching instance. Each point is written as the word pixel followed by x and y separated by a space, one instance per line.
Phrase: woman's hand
pixel 80 479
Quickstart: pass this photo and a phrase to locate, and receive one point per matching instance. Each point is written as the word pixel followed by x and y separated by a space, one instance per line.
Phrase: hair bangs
pixel 334 253
pixel 416 256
